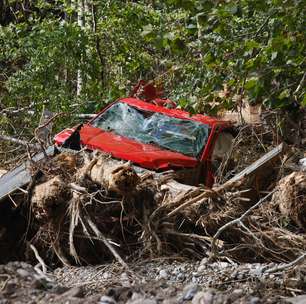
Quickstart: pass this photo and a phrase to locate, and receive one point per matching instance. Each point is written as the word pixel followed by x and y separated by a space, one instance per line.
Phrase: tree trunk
pixel 80 20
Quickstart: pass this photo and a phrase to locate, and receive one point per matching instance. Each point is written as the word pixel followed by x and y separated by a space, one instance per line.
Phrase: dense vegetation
pixel 80 54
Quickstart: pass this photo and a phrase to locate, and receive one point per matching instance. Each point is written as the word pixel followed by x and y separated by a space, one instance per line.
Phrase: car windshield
pixel 179 135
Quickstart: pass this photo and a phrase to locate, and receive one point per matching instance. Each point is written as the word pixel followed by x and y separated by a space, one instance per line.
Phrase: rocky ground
pixel 152 282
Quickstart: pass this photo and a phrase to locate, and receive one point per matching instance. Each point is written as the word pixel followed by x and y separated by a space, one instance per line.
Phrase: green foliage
pixel 209 54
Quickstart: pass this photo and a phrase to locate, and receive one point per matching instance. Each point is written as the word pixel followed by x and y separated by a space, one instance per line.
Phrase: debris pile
pixel 87 208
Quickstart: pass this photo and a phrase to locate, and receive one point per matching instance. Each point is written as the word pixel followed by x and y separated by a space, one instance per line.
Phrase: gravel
pixel 152 282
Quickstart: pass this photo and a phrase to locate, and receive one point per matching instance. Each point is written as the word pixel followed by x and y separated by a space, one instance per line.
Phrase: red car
pixel 154 137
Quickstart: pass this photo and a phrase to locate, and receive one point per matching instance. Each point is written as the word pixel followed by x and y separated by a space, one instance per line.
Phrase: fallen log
pixel 112 174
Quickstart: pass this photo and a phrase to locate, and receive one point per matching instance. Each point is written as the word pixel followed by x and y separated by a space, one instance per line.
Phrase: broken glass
pixel 179 135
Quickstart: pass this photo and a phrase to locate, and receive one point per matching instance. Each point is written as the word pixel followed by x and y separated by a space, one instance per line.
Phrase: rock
pixel 39 283
pixel 297 300
pixel 107 300
pixel 201 268
pixel 236 294
pixel 181 276
pixel 195 280
pixel 57 289
pixel 136 296
pixel 302 164
pixel 257 271
pixel 75 292
pixel 203 298
pixel 222 264
pixel 163 274
pixel 10 288
pixel 254 300
pixel 190 291
pixel 168 301
pixel 204 261
pixel 142 301
pixel 23 273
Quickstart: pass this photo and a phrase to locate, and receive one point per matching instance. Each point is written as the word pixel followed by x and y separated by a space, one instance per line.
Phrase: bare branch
pixel 236 221
pixel 295 262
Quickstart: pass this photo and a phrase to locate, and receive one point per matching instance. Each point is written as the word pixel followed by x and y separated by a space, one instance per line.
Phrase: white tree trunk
pixel 80 17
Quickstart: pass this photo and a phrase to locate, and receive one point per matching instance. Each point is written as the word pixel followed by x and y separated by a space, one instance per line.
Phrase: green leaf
pixel 251 44
pixel 170 36
pixel 284 94
pixel 146 30
pixel 251 83
pixel 274 55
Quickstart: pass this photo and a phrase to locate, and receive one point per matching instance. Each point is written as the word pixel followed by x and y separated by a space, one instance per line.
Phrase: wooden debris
pixel 291 198
pixel 113 175
pixel 91 208
pixel 47 196
pixel 260 168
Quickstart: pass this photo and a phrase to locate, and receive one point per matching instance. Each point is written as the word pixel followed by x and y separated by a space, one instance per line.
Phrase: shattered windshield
pixel 179 135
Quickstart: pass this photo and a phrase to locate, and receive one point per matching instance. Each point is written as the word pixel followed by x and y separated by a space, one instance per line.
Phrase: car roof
pixel 177 113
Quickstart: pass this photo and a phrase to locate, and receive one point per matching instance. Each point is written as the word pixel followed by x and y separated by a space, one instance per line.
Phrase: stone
pixel 23 273
pixel 195 280
pixel 136 296
pixel 75 292
pixel 181 276
pixel 204 261
pixel 297 300
pixel 203 298
pixel 202 268
pixel 236 294
pixel 107 300
pixel 223 264
pixel 142 301
pixel 256 271
pixel 302 164
pixel 254 300
pixel 39 283
pixel 171 301
pixel 190 291
pixel 10 288
pixel 163 274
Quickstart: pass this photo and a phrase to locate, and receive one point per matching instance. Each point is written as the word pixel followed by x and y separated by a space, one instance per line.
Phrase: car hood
pixel 145 155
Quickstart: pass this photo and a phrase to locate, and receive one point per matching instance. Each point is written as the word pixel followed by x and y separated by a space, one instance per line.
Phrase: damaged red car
pixel 152 136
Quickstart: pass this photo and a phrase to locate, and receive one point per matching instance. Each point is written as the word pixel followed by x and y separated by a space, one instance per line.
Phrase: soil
pixel 157 281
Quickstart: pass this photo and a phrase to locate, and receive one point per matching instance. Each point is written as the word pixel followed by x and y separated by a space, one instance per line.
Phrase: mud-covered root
pixel 48 196
pixel 290 197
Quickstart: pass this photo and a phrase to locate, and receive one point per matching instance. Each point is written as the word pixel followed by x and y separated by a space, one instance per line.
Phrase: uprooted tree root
pixel 94 209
